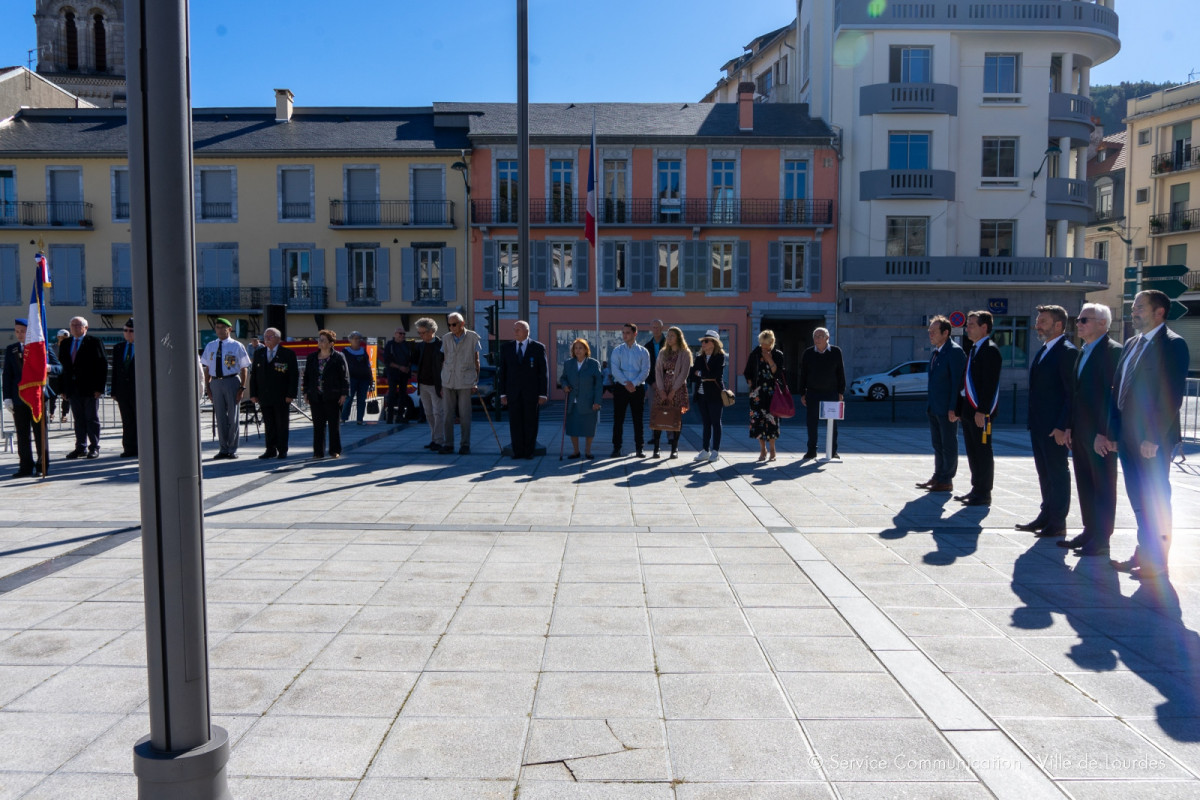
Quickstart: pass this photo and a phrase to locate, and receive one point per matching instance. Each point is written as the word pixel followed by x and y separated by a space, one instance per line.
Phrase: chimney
pixel 283 105
pixel 745 106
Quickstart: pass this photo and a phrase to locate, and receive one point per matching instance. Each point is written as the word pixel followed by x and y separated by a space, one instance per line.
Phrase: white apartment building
pixel 964 133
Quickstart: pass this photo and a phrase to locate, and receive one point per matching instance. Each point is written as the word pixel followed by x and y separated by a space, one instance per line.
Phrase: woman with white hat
pixel 708 375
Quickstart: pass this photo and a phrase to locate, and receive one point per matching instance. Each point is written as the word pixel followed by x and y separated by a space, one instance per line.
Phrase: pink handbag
pixel 782 406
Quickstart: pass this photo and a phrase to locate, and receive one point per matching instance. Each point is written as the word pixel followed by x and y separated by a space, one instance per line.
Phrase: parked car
pixel 909 378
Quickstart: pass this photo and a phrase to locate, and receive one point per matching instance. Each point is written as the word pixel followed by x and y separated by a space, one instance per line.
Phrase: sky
pixel 415 52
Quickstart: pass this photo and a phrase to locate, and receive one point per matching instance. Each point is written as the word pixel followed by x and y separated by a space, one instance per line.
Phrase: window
pixel 1100 251
pixel 724 207
pixel 1142 196
pixel 429 273
pixel 781 70
pixel 1104 198
pixel 120 195
pixel 1011 335
pixel 668 266
pixel 620 282
pixel 910 65
pixel 1177 254
pixel 562 193
pixel 297 273
pixel 65 193
pixel 361 195
pixel 295 194
pixel 1143 136
pixel 71 34
pixel 996 237
pixel 10 276
pixel 670 176
pixel 8 197
pixel 100 43
pixel 907 150
pixel 428 189
pixel 508 262
pixel 764 83
pixel 506 190
pixel 562 265
pixel 66 262
pixel 793 254
pixel 1001 74
pixel 217 194
pixel 1139 254
pixel 999 160
pixel 721 256
pixel 795 190
pixel 616 183
pixel 362 274
pixel 907 236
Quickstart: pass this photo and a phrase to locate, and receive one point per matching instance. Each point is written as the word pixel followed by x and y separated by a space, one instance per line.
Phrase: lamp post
pixel 1128 257
pixel 464 169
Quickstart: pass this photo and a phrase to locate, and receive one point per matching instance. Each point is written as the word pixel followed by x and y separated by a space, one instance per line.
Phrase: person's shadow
pixel 953 541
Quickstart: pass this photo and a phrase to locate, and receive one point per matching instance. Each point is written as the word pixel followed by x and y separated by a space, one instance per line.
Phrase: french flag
pixel 589 230
pixel 36 367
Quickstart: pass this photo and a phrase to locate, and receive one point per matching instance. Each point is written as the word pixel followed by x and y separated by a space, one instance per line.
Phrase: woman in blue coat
pixel 584 385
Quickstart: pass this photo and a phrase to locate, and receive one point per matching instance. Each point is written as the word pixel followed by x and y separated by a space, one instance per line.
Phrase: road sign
pixel 1157 271
pixel 1170 287
pixel 958 319
pixel 1178 310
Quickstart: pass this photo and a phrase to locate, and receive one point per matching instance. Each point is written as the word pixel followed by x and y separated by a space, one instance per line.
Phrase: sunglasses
pixel 1083 320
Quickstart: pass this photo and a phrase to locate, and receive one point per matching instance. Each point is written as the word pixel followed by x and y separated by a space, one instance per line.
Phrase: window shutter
pixel 343 274
pixel 489 266
pixel 80 298
pixel 122 275
pixel 693 254
pixel 812 267
pixel 608 259
pixel 317 266
pixel 449 275
pixel 383 274
pixel 641 258
pixel 741 254
pixel 774 267
pixel 408 275
pixel 539 266
pixel 10 276
pixel 277 280
pixel 582 254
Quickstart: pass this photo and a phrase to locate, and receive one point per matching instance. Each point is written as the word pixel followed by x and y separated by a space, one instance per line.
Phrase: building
pixel 769 62
pixel 20 88
pixel 352 218
pixel 711 216
pixel 1106 231
pixel 1163 166
pixel 83 51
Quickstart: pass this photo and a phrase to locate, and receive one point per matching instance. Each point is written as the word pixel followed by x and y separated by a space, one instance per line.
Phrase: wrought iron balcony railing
pixel 121 210
pixel 222 211
pixel 391 213
pixel 297 210
pixel 46 214
pixel 120 298
pixel 1175 221
pixel 429 294
pixel 362 296
pixel 1176 160
pixel 654 211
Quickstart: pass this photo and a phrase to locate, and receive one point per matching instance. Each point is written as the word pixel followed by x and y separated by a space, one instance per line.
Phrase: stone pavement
pixel 399 624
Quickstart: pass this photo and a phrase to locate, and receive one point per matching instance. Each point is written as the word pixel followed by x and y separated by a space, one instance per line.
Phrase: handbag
pixel 782 405
pixel 728 398
pixel 373 406
pixel 665 418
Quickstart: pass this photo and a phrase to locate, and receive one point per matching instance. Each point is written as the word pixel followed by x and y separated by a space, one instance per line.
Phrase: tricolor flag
pixel 589 230
pixel 33 374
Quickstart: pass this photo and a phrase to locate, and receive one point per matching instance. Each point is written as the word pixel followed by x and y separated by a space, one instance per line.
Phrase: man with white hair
pixel 1091 399
pixel 274 384
pixel 822 379
pixel 460 376
pixel 84 376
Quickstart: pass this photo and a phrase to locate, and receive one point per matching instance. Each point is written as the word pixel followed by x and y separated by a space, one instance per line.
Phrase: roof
pixel 1114 159
pixel 237 131
pixel 637 122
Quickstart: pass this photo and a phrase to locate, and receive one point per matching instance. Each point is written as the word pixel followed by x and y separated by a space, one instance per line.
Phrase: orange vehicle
pixel 302 347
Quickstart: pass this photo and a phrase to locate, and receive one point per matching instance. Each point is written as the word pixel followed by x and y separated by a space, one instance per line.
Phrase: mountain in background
pixel 1109 102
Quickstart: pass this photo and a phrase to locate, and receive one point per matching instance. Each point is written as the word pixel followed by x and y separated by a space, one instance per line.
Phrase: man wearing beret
pixel 124 391
pixel 226 376
pixel 26 428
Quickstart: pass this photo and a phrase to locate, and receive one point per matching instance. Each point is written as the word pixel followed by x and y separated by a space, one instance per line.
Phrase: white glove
pixel 8 405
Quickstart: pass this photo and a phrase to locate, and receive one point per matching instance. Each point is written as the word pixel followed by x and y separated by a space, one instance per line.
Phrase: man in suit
pixel 1143 428
pixel 274 383
pixel 822 379
pixel 523 383
pixel 1091 401
pixel 1049 419
pixel 84 375
pixel 977 405
pixel 946 367
pixel 124 390
pixel 22 414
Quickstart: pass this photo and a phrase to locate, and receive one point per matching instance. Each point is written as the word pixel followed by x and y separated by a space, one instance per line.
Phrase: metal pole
pixel 184 756
pixel 523 254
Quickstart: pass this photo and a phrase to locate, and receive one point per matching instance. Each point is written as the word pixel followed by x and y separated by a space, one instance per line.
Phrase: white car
pixel 909 378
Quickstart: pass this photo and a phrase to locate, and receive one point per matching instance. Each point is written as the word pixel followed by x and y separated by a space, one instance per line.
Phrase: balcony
pixel 1013 15
pixel 1071 117
pixel 119 299
pixel 362 296
pixel 216 212
pixel 946 271
pixel 908 98
pixel 906 184
pixel 391 213
pixel 429 296
pixel 1179 159
pixel 1175 222
pixel 112 299
pixel 39 214
pixel 654 212
pixel 1067 198
pixel 1192 281
pixel 296 211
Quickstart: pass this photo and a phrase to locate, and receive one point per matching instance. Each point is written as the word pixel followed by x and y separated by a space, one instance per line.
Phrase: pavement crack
pixel 618 738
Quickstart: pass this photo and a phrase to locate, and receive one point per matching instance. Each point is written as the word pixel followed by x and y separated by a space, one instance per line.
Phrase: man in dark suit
pixel 1091 401
pixel 946 367
pixel 1143 427
pixel 523 383
pixel 1049 419
pixel 124 390
pixel 26 427
pixel 274 383
pixel 84 375
pixel 977 405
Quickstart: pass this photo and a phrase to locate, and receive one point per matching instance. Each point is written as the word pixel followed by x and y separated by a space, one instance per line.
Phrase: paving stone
pixel 441 747
pixel 723 696
pixel 350 693
pixel 887 749
pixel 598 654
pixel 739 750
pixel 840 695
pixel 1090 748
pixel 472 694
pixel 709 654
pixel 600 749
pixel 309 747
pixel 587 695
pixel 481 653
pixel 698 622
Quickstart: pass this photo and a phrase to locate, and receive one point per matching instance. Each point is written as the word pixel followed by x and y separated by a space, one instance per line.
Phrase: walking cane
pixel 562 433
pixel 483 402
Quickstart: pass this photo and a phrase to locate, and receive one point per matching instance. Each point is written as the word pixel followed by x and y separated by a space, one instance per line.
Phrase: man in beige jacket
pixel 460 374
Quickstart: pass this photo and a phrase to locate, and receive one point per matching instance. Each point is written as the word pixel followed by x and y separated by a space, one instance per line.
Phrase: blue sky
pixel 413 52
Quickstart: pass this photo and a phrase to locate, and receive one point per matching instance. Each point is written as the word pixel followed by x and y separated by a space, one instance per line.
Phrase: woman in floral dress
pixel 763 369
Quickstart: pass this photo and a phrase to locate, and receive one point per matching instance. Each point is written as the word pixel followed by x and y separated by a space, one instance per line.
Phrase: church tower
pixel 81 47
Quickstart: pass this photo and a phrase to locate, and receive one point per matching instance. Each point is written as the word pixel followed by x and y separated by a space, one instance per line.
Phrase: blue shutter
pixel 383 274
pixel 539 266
pixel 449 275
pixel 608 272
pixel 10 276
pixel 582 254
pixel 741 255
pixel 276 279
pixel 317 266
pixel 122 271
pixel 812 267
pixel 640 266
pixel 343 274
pixel 489 266
pixel 694 255
pixel 408 275
pixel 774 267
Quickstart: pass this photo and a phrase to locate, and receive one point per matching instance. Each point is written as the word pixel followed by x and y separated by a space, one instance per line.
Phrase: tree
pixel 1109 102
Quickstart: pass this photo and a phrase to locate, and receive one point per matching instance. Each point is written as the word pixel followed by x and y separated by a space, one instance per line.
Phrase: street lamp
pixel 1052 150
pixel 463 169
pixel 1128 254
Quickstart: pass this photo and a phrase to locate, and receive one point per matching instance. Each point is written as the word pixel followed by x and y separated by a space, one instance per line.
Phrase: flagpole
pixel 597 174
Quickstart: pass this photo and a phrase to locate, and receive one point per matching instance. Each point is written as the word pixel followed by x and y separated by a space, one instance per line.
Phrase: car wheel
pixel 877 392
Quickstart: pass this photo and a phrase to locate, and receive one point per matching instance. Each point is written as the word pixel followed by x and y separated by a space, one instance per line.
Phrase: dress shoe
pixel 281 456
pixel 267 455
pixel 592 456
pixel 926 484
pixel 834 454
pixel 1088 550
pixel 331 455
pixel 1050 531
pixel 964 497
pixel 22 473
pixel 446 449
pixel 941 487
pixel 465 450
pixel 78 452
pixel 1036 525
pixel 616 453
pixel 978 500
pixel 809 455
pixel 1073 543
pixel 575 455
pixel 93 452
pixel 1125 566
pixel 433 446
pixel 640 453
pixel 129 455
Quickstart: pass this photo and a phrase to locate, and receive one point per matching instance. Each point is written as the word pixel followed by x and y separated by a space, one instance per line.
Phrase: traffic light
pixel 492 321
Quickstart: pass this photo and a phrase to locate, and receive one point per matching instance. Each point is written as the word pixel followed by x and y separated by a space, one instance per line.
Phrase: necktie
pixel 521 350
pixel 1041 352
pixel 933 359
pixel 220 366
pixel 74 348
pixel 1127 373
pixel 270 355
pixel 129 354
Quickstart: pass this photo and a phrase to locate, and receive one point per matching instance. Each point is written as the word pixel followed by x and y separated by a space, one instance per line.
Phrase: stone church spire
pixel 81 47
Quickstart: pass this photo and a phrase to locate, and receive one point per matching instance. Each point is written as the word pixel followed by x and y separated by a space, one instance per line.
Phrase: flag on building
pixel 589 230
pixel 36 367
